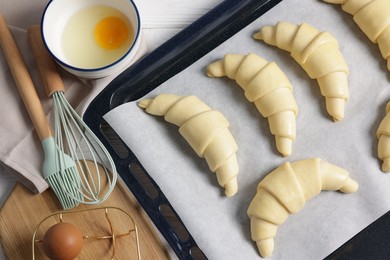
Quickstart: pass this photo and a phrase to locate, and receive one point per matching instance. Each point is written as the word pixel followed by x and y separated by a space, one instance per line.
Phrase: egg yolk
pixel 111 33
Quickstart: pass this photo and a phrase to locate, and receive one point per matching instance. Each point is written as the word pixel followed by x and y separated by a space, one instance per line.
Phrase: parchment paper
pixel 220 225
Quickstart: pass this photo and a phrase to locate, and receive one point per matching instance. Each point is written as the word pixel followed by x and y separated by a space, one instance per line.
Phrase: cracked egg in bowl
pixel 92 38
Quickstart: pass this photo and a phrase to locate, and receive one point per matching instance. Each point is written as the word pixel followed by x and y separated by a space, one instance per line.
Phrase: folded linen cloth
pixel 20 148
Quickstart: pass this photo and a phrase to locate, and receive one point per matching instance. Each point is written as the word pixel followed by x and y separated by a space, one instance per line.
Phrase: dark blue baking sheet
pixel 169 59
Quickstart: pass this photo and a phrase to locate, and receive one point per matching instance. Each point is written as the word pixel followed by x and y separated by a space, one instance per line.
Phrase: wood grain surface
pixel 23 211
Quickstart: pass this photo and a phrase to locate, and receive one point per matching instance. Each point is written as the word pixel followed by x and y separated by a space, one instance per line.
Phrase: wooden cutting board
pixel 23 211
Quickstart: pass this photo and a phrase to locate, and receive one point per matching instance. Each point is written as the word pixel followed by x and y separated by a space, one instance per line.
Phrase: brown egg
pixel 63 241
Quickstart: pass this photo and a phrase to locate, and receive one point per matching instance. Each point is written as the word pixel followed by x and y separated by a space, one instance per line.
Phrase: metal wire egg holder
pixel 113 237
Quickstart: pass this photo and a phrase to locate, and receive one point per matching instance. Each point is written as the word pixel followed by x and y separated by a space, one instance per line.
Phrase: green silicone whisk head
pixel 96 170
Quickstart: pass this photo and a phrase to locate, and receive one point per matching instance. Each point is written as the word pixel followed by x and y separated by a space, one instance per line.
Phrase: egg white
pixel 78 42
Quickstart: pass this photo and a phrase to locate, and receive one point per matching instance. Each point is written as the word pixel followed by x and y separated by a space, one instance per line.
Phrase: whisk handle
pixel 23 81
pixel 47 67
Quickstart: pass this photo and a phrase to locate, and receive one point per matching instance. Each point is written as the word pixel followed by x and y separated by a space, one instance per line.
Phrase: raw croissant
pixel 285 190
pixel 268 87
pixel 372 17
pixel 206 131
pixel 383 135
pixel 318 54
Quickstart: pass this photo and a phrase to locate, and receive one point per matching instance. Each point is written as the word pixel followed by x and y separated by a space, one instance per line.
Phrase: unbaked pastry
pixel 285 190
pixel 372 17
pixel 318 54
pixel 206 131
pixel 268 87
pixel 383 134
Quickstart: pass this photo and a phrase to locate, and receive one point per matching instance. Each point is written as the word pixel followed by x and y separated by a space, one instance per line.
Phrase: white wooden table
pixel 161 20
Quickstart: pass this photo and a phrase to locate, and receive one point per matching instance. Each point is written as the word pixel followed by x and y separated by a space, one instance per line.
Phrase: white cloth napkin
pixel 20 148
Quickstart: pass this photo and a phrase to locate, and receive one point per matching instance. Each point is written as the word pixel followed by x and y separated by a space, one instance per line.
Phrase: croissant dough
pixel 206 131
pixel 285 190
pixel 318 54
pixel 268 87
pixel 383 134
pixel 372 17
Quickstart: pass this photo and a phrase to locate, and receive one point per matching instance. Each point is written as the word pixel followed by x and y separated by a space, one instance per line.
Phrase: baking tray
pixel 189 45
pixel 166 61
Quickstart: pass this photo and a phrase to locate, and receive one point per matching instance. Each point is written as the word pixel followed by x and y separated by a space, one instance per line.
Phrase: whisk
pixel 72 135
pixel 59 169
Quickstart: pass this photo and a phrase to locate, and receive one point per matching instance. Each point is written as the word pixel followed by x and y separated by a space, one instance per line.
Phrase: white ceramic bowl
pixel 56 15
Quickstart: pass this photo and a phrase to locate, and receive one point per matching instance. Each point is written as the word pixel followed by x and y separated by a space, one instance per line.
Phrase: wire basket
pixel 94 232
